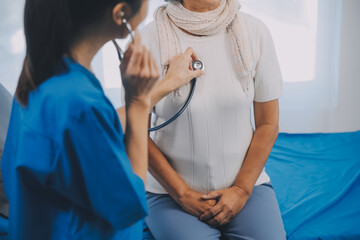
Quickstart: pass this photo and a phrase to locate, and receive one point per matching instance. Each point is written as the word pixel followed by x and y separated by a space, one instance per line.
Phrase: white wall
pixel 345 115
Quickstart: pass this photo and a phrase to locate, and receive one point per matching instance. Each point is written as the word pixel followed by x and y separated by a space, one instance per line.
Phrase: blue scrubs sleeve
pixel 94 170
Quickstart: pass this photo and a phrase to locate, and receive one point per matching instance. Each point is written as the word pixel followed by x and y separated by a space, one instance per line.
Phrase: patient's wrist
pixel 183 194
pixel 242 191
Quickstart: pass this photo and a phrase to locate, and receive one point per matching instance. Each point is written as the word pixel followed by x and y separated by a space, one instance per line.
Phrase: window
pixel 294 29
pixel 307 40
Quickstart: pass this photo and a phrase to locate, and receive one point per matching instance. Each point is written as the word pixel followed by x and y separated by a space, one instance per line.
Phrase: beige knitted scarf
pixel 204 24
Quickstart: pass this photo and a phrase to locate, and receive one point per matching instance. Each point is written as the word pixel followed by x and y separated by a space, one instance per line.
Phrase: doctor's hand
pixel 180 70
pixel 179 73
pixel 192 202
pixel 139 73
pixel 230 202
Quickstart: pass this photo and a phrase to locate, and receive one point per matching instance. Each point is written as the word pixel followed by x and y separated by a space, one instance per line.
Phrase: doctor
pixel 69 171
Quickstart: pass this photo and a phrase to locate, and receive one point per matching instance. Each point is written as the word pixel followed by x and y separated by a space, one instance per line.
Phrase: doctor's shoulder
pixel 71 92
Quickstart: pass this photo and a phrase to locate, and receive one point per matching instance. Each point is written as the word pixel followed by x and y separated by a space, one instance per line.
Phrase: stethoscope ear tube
pixel 193 85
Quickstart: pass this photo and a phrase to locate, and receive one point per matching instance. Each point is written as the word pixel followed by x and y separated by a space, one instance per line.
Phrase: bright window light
pixel 293 25
pixel 17 42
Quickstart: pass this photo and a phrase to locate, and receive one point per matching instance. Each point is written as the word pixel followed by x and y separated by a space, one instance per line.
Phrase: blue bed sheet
pixel 4 227
pixel 316 178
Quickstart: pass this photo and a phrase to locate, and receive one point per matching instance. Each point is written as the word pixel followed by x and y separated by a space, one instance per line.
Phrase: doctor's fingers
pixel 149 72
pixel 133 67
pixel 153 70
pixel 153 66
pixel 137 38
pixel 145 66
pixel 187 58
pixel 190 54
pixel 136 45
pixel 196 73
pixel 134 53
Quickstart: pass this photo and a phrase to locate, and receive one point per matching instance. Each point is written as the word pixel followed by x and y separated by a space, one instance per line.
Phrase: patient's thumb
pixel 211 195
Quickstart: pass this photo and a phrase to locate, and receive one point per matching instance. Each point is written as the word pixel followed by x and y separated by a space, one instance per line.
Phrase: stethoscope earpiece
pixel 129 28
pixel 131 32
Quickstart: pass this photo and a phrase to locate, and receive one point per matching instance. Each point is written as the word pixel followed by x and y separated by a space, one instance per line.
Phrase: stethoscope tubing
pixel 193 86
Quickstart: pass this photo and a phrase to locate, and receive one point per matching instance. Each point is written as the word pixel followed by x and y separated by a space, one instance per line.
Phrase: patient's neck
pixel 201 5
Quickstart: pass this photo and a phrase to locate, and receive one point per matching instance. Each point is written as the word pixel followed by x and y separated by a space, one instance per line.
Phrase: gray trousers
pixel 260 219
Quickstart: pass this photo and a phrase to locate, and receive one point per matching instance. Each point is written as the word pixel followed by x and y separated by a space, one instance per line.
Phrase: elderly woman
pixel 207 176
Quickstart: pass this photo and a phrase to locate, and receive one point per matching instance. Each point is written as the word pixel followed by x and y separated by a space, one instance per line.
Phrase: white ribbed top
pixel 208 143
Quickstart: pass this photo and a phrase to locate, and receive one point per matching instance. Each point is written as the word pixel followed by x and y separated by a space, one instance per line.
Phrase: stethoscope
pixel 196 65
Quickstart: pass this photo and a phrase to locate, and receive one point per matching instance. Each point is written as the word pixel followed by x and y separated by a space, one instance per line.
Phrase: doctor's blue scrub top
pixel 65 169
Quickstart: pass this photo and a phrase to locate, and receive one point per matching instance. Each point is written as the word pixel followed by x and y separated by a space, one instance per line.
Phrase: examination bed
pixel 316 178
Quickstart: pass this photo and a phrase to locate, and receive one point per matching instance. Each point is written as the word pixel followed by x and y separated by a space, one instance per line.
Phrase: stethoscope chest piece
pixel 198 65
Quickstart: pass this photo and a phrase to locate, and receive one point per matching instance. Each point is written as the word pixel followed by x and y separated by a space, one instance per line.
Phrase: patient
pixel 207 168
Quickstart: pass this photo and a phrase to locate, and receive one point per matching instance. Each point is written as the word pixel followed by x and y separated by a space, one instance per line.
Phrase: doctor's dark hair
pixel 50 28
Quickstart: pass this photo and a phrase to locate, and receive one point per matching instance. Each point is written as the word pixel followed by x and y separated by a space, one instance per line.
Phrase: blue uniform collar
pixel 74 65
